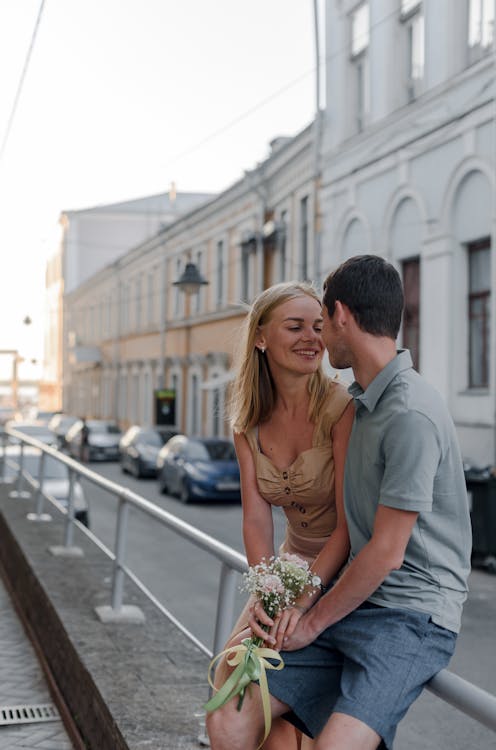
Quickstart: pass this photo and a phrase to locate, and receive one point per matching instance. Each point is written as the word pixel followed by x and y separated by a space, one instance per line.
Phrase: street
pixel 185 580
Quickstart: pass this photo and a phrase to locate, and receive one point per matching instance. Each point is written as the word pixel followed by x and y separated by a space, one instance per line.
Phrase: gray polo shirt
pixel 403 453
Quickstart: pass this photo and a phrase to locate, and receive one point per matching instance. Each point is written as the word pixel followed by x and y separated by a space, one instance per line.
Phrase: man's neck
pixel 372 354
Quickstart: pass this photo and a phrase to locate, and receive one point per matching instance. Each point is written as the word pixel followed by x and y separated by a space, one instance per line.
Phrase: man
pixel 84 448
pixel 361 655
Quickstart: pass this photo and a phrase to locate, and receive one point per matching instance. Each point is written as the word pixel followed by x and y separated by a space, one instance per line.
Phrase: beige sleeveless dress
pixel 305 490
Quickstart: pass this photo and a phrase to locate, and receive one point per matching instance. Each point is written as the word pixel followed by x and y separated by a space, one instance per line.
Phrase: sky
pixel 121 98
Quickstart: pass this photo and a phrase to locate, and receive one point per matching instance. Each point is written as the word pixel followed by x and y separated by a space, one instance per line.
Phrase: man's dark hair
pixel 371 289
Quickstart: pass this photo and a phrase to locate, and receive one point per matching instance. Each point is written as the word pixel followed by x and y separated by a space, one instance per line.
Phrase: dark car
pixel 103 439
pixel 139 448
pixel 199 469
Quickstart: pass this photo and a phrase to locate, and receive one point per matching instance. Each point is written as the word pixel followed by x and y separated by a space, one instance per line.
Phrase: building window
pixel 411 315
pixel 304 238
pixel 150 298
pixel 125 308
pixel 194 404
pixel 479 298
pixel 360 35
pixel 138 304
pixel 199 297
pixel 412 19
pixel 281 244
pixel 220 274
pixel 480 27
pixel 177 291
pixel 245 272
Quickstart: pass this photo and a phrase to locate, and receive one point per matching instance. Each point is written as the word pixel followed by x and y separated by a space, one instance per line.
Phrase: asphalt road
pixel 185 580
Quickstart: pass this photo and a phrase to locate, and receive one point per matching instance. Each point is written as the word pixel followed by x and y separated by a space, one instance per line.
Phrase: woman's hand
pixel 279 627
pixel 285 624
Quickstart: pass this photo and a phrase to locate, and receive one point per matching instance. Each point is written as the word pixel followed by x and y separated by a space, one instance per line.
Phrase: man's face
pixel 334 340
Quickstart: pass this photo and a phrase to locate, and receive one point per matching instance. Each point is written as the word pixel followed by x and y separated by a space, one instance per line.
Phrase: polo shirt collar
pixel 376 388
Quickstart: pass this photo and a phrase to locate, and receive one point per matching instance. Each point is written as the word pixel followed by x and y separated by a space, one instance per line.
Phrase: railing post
pixel 120 554
pixel 225 607
pixel 118 612
pixel 4 441
pixel 69 521
pixel 19 492
pixel 39 515
pixel 67 549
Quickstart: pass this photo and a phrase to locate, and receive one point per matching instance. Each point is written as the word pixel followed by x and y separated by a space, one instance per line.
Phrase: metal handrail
pixel 463 695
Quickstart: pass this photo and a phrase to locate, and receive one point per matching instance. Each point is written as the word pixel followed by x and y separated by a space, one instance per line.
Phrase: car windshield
pixel 53 469
pixel 33 429
pixel 150 437
pixel 212 451
pixel 103 428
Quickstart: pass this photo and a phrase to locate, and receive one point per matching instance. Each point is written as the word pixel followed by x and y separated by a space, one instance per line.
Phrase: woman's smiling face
pixel 292 337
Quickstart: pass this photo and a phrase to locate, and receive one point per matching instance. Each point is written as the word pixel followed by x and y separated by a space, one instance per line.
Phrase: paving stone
pixel 22 683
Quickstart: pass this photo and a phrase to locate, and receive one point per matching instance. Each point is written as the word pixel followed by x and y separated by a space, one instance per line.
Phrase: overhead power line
pixel 21 81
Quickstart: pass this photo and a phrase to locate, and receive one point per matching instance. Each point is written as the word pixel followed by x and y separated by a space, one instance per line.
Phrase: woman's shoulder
pixel 338 395
pixel 336 401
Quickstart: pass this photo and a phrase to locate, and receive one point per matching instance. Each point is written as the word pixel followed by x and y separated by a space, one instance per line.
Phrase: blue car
pixel 199 469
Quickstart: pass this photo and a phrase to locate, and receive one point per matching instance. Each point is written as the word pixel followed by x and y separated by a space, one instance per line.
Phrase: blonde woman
pixel 291 427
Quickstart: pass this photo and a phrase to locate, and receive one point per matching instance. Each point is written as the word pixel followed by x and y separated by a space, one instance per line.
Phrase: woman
pixel 291 427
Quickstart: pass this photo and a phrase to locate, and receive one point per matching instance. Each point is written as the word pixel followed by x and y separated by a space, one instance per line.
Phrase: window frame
pixel 483 382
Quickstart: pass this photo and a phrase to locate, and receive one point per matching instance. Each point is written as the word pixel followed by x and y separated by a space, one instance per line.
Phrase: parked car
pixel 199 469
pixel 139 448
pixel 34 429
pixel 60 424
pixel 55 478
pixel 45 416
pixel 6 413
pixel 103 439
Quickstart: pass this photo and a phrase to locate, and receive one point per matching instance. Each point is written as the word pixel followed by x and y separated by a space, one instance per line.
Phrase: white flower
pixel 271 584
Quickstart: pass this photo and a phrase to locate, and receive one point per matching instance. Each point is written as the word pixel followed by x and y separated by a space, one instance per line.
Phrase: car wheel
pixel 162 485
pixel 82 517
pixel 184 494
pixel 123 466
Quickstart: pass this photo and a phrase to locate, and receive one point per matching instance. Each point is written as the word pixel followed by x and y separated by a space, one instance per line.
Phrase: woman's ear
pixel 260 342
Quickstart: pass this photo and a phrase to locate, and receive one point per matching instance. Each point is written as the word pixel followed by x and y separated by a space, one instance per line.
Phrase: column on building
pixel 470 215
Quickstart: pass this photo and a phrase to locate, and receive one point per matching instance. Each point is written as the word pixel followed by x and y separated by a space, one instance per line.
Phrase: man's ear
pixel 341 314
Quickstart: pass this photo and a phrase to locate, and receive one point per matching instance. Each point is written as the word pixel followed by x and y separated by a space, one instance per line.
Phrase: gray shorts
pixel 371 665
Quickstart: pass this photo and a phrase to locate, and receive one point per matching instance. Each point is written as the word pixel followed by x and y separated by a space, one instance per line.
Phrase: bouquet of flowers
pixel 277 583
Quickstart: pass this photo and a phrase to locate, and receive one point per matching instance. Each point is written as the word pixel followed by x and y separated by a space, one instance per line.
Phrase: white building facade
pixel 408 172
pixel 130 332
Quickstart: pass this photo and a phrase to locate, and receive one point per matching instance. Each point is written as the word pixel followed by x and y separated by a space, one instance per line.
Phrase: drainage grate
pixel 28 714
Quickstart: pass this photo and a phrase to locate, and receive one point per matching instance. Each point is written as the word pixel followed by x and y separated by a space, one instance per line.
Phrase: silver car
pixel 55 478
pixel 103 440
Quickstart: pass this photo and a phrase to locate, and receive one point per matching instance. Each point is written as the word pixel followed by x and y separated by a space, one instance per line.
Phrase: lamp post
pixel 189 282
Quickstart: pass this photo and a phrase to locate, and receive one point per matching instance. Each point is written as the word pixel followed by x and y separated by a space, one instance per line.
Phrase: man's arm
pixel 379 557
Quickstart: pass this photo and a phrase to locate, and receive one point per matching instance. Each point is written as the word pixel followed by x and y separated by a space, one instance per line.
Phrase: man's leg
pixel 230 729
pixel 344 732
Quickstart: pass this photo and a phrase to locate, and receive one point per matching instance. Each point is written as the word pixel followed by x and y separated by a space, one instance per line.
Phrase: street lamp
pixel 190 280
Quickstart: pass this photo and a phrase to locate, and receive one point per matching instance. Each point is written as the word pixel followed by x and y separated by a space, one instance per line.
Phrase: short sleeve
pixel 411 454
pixel 338 400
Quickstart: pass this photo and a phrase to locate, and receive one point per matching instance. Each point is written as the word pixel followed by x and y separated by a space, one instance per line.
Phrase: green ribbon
pixel 250 662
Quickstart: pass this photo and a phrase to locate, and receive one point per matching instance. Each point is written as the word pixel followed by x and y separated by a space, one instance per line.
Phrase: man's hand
pixel 302 635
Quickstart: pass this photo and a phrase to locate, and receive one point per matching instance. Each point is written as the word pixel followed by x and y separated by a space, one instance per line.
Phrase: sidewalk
pixel 126 686
pixel 23 684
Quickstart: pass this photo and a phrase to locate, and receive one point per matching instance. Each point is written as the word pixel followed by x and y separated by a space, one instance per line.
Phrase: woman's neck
pixel 292 395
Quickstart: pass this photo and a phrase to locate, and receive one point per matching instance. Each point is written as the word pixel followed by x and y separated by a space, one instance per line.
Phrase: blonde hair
pixel 253 394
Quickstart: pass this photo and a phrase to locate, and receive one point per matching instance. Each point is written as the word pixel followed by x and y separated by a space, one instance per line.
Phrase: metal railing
pixel 463 695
